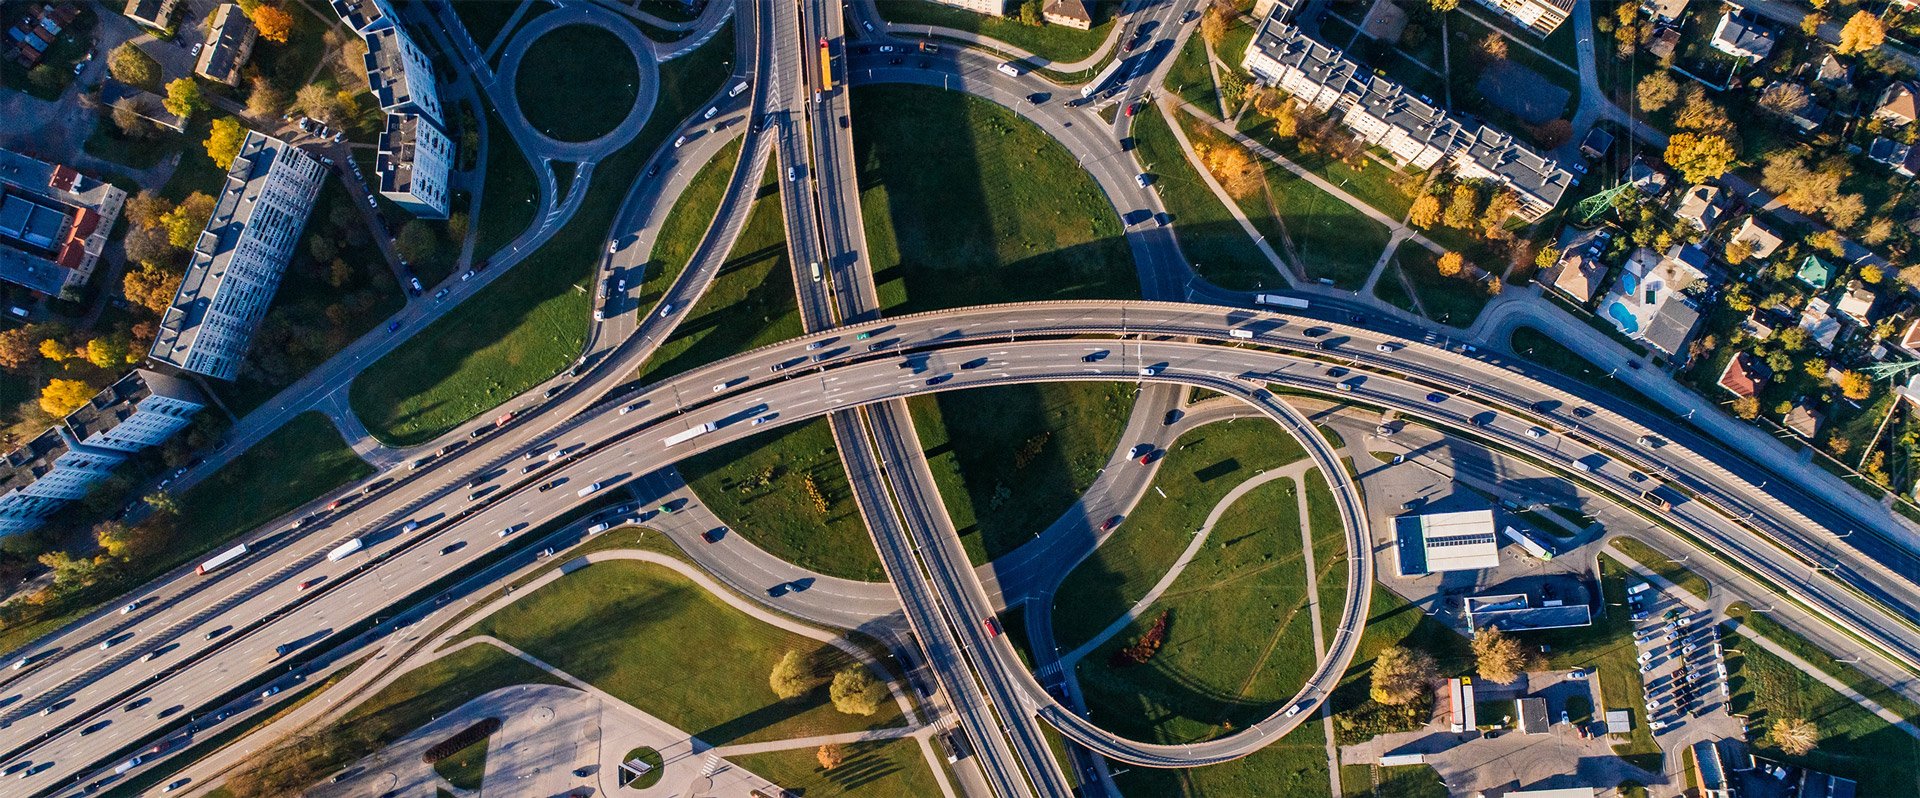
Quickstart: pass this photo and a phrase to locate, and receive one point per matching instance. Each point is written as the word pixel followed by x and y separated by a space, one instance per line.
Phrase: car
pixel 1583 411
pixel 588 490
pixel 868 24
pixel 630 408
pixel 1536 432
pixel 1388 347
pixel 653 170
pixel 371 203
pixel 414 283
pixel 452 547
pixel 666 309
pixel 992 625
pixel 270 692
pixel 679 141
pixel 1109 524
pixel 1141 452
pixel 1133 108
pixel 440 294
pixel 132 605
pixel 791 175
pixel 712 535
pixel 195 53
pixel 545 553
pixel 718 387
pixel 78 67
pixel 545 486
pixel 393 327
pixel 1172 417
pixel 1565 718
pixel 308 585
pixel 504 531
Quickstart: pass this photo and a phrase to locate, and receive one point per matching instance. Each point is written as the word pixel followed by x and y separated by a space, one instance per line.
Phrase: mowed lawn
pixel 965 204
pixel 759 486
pixel 750 303
pixel 1854 743
pixel 1220 250
pixel 886 767
pixel 1239 634
pixel 1010 460
pixel 683 229
pixel 1294 766
pixel 293 465
pixel 656 640
pixel 1052 42
pixel 531 322
pixel 577 82
pixel 1199 471
pixel 1329 548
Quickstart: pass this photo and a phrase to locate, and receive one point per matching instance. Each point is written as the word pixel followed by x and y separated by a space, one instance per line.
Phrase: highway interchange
pixel 1780 533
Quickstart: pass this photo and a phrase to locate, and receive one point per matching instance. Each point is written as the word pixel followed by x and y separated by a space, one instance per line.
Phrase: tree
pixel 150 286
pixel 1233 166
pixel 1794 339
pixel 1401 675
pixel 1700 114
pixel 1443 6
pixel 267 100
pixel 132 66
pixel 1699 157
pixel 1463 208
pixel 1783 98
pixel 1426 211
pixel 792 676
pixel 224 138
pixel 47 78
pixel 457 228
pixel 183 98
pixel 1546 257
pixel 1657 91
pixel 1494 46
pixel 162 502
pixel 417 242
pixel 830 756
pixel 127 119
pixel 17 347
pixel 1746 407
pixel 273 23
pixel 339 273
pixel 1810 24
pixel 61 397
pixel 184 223
pixel 1795 736
pixel 52 349
pixel 1871 274
pixel 1878 231
pixel 1214 24
pixel 1450 264
pixel 316 101
pixel 1500 658
pixel 110 351
pixel 1863 32
pixel 1855 385
pixel 1738 251
pixel 145 208
pixel 854 692
pixel 1499 206
pixel 148 245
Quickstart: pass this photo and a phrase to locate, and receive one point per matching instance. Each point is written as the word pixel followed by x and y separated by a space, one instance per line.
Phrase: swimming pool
pixel 1629 324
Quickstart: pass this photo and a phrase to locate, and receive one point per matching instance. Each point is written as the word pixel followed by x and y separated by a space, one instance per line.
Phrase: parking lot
pixel 1681 665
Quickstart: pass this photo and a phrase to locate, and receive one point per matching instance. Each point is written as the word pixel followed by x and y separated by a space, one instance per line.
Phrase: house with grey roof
pixel 1741 36
pixel 230 38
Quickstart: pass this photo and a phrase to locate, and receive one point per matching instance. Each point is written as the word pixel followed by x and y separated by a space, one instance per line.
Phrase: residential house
pixel 1762 242
pixel 156 14
pixel 1644 176
pixel 1597 143
pixel 1832 73
pixel 1666 42
pixel 1758 325
pixel 1741 36
pixel 1701 206
pixel 1817 319
pixel 1807 118
pixel 1649 303
pixel 1898 104
pixel 1539 16
pixel 1909 339
pixel 1068 13
pixel 1891 154
pixel 1745 376
pixel 1857 303
pixel 35 31
pixel 1804 421
pixel 230 41
pixel 1815 272
pixel 1579 271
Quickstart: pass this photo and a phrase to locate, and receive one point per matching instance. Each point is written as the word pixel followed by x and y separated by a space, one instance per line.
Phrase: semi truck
pixel 682 437
pixel 345 550
pixel 222 559
pixel 1526 541
pixel 1276 300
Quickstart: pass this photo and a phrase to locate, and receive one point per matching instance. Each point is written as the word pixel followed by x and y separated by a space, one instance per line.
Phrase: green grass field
pixel 758 485
pixel 577 82
pixel 1221 252
pixel 648 636
pixel 1195 475
pixel 1373 183
pixel 1390 621
pixel 1454 301
pixel 1854 743
pixel 1665 566
pixel 467 768
pixel 683 229
pixel 1295 766
pixel 1329 549
pixel 965 203
pixel 1190 78
pixel 1764 625
pixel 1052 42
pixel 511 191
pixel 1239 637
pixel 887 767
pixel 998 496
pixel 532 322
pixel 750 303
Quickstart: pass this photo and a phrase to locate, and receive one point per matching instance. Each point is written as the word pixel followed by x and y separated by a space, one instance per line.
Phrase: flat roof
pixel 1533 715
pixel 1563 792
pixel 1462 541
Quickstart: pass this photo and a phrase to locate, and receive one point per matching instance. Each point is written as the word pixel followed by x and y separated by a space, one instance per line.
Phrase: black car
pixel 554 391
pixel 1173 416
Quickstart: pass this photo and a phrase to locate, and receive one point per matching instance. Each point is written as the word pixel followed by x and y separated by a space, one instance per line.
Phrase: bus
pixel 826 66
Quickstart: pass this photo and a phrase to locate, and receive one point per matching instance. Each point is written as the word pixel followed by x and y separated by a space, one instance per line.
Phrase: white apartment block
pixel 1540 16
pixel 46 473
pixel 413 164
pixel 1409 128
pixel 142 409
pixel 239 258
pixel 364 16
pixel 400 75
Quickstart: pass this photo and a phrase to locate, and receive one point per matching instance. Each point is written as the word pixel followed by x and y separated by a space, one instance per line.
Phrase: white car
pixel 1385 347
pixel 666 310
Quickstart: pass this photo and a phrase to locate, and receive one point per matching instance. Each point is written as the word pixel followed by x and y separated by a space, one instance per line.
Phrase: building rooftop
pixel 1519 165
pixel 152 13
pixel 1532 714
pixel 229 42
pixel 1744 375
pixel 1738 35
pixel 53 221
pixel 387 69
pixel 1763 241
pixel 1515 612
pixel 1619 721
pixel 1069 9
pixel 395 162
pixel 361 15
pixel 32 460
pixel 1671 326
pixel 1700 205
pixel 1439 542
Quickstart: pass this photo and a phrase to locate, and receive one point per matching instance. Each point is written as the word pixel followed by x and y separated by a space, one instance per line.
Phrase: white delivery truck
pixel 345 550
pixel 1276 300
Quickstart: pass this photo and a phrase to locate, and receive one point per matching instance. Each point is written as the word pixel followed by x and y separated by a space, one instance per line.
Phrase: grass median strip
pixel 880 767
pixel 1052 42
pixel 787 491
pixel 1209 235
pixel 1667 567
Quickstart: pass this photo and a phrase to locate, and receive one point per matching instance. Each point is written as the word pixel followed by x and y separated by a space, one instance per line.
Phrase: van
pixel 1243 335
pixel 1148 371
pixel 588 490
pixel 1536 433
pixel 597 529
pixel 1142 180
pixel 1007 68
pixel 737 88
pixel 1583 466
pixel 815 268
pixel 1346 386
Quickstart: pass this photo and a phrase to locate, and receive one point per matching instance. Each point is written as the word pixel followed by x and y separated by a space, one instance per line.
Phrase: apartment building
pixel 1540 16
pixel 1411 129
pixel 144 408
pixel 46 473
pixel 54 223
pixel 413 164
pixel 156 14
pixel 230 39
pixel 364 16
pixel 239 258
pixel 401 76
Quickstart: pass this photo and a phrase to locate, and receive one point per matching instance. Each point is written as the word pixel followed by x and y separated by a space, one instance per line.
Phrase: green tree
pixel 1464 207
pixel 132 66
pixel 792 676
pixel 1030 13
pixel 855 692
pixel 110 351
pixel 47 78
pixel 417 242
pixel 183 98
pixel 185 222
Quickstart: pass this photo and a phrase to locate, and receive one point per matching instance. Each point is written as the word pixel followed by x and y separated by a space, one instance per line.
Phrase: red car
pixel 1110 524
pixel 336 504
pixel 311 582
pixel 992 627
pixel 1133 108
